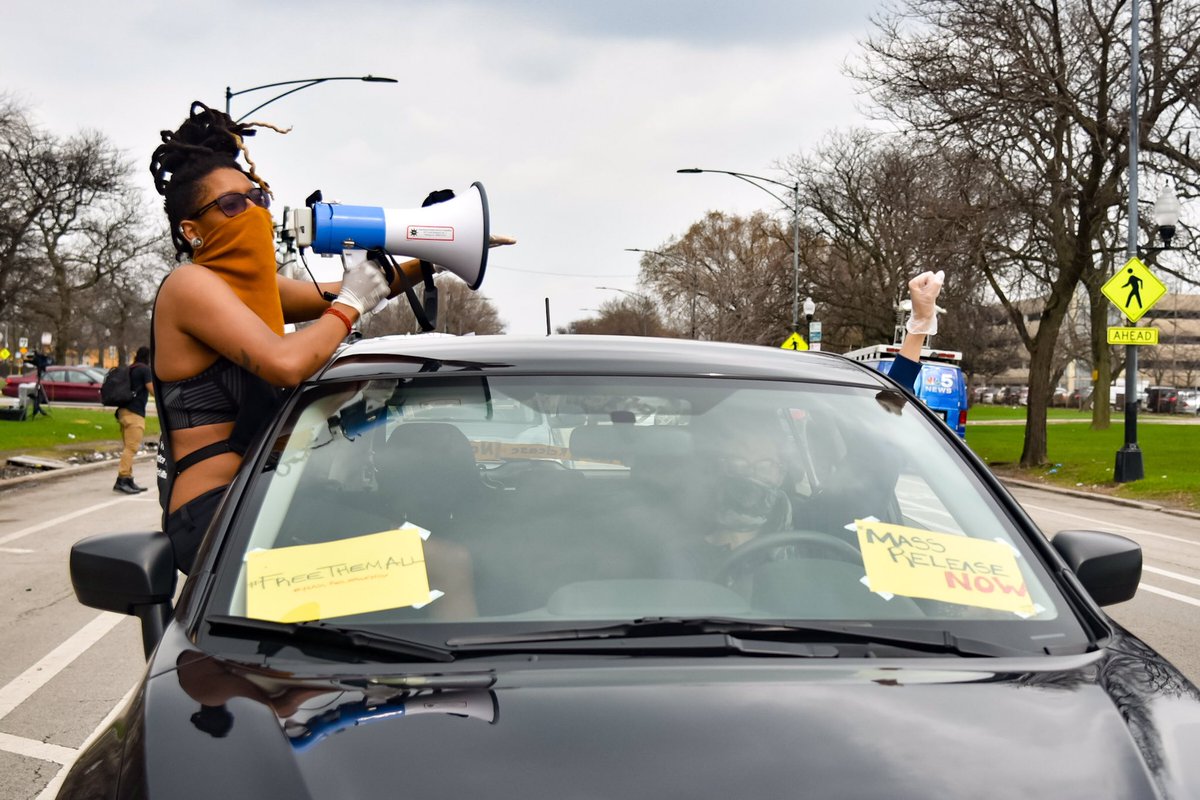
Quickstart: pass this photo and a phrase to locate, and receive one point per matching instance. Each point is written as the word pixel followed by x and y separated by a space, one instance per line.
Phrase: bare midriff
pixel 203 475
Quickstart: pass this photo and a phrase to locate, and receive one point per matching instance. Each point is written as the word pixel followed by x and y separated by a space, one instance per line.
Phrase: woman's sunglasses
pixel 234 203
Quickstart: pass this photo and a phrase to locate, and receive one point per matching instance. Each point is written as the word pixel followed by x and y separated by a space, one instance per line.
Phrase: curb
pixel 51 474
pixel 1117 501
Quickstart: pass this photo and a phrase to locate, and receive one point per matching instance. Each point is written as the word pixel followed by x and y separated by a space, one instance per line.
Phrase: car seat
pixel 426 474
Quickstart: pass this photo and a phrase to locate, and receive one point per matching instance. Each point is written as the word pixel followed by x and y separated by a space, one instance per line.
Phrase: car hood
pixel 1115 724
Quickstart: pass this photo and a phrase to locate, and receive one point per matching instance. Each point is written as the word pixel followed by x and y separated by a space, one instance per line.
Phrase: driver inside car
pixel 737 483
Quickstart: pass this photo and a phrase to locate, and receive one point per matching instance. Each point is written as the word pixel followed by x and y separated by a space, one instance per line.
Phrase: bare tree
pixel 729 278
pixel 636 315
pixel 117 310
pixel 460 311
pixel 1035 96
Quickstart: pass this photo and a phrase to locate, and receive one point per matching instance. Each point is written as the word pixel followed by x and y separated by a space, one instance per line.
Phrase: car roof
pixel 569 354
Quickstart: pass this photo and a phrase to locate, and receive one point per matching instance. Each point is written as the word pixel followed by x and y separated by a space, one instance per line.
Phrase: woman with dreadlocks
pixel 220 355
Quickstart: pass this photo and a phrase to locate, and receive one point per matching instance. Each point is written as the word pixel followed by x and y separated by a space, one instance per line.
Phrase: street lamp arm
pixel 795 208
pixel 748 178
pixel 302 83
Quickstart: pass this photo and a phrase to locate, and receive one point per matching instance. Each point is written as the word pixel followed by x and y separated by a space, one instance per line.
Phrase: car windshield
pixel 433 506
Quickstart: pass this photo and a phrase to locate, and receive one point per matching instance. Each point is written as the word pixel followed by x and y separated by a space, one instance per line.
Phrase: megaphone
pixel 452 235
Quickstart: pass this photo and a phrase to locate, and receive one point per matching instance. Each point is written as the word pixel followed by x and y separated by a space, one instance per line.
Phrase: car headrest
pixel 429 455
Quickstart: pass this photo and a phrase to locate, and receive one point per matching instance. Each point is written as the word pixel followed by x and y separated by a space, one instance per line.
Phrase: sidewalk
pixel 1100 496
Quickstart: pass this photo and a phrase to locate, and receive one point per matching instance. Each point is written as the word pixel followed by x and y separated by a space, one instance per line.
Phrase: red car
pixel 69 384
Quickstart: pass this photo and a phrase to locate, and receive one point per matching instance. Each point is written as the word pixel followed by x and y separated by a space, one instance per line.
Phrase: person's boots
pixel 127 486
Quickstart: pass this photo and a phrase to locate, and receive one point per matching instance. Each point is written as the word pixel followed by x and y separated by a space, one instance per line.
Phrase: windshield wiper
pixel 934 641
pixel 307 635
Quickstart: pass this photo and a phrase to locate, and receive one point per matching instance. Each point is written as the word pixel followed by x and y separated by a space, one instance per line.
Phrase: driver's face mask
pixel 744 504
pixel 748 496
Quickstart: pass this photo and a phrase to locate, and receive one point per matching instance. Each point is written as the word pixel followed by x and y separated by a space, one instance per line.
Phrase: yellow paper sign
pixel 332 579
pixel 495 451
pixel 941 566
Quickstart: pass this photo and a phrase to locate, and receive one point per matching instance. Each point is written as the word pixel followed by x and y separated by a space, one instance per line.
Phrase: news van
pixel 941 385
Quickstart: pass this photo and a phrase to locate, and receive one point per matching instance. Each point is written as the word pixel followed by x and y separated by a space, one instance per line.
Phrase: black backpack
pixel 117 389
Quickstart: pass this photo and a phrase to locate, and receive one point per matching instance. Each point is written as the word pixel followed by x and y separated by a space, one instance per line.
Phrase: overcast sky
pixel 574 115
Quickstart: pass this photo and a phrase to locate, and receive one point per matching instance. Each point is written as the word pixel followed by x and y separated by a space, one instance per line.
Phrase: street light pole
pixel 1129 458
pixel 303 83
pixel 795 187
pixel 687 266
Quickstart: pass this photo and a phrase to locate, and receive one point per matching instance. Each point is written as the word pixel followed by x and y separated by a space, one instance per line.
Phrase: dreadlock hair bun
pixel 207 140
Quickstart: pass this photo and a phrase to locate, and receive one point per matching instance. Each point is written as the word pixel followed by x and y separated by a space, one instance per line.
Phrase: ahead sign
pixel 1133 335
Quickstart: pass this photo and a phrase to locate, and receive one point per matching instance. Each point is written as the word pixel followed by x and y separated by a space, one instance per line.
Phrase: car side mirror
pixel 130 573
pixel 1109 566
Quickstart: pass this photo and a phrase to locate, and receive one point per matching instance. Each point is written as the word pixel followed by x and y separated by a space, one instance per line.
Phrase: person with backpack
pixel 130 413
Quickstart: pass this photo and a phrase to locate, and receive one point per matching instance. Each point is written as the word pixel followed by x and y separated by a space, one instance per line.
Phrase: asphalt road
pixel 65 669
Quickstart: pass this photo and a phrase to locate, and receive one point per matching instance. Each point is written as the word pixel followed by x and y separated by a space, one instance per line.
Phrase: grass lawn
pixel 66 430
pixel 1083 458
pixel 987 412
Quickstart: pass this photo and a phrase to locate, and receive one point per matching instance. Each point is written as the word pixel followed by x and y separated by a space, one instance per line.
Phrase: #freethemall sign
pixel 333 579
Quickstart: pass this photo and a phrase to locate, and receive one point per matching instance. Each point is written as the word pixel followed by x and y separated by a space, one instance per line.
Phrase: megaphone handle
pixel 352 258
pixel 382 257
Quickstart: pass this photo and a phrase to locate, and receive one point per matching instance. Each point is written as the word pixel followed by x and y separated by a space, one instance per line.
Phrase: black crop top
pixel 224 392
pixel 211 397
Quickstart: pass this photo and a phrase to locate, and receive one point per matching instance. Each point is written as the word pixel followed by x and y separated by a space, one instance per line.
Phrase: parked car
pixel 1080 397
pixel 1023 396
pixel 980 393
pixel 1060 398
pixel 62 383
pixel 1162 399
pixel 732 571
pixel 1189 402
pixel 1008 395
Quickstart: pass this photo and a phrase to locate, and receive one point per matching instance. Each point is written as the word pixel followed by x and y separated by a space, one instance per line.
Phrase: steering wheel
pixel 758 548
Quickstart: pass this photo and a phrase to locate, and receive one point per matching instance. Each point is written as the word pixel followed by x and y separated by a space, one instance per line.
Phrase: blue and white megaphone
pixel 449 232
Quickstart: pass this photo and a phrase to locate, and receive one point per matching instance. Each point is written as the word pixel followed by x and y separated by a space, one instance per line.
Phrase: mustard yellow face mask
pixel 241 250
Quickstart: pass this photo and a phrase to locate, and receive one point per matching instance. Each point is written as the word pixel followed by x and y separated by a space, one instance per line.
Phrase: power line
pixel 561 274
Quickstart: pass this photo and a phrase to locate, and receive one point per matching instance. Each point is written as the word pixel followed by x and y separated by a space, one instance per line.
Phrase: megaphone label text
pixel 430 233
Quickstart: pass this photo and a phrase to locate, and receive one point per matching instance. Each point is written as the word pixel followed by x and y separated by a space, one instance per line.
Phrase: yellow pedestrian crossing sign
pixel 1134 289
pixel 794 342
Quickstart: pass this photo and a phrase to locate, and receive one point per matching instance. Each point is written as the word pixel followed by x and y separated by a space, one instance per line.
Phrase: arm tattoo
pixel 249 364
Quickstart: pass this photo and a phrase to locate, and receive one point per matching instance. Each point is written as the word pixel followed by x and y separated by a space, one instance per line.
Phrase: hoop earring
pixel 196 242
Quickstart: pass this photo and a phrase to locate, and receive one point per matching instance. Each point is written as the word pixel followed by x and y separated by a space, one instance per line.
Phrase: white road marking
pixel 1183 598
pixel 51 790
pixel 22 687
pixel 41 526
pixel 15 550
pixel 1111 526
pixel 32 748
pixel 1169 574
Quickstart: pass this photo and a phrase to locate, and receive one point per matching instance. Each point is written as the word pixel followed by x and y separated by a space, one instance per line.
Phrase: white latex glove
pixel 924 290
pixel 363 287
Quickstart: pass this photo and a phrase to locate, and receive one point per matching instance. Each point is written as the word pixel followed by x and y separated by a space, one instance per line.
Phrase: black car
pixel 624 567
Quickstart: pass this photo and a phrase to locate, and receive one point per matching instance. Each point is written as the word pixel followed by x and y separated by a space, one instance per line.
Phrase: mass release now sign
pixel 1133 335
pixel 942 566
